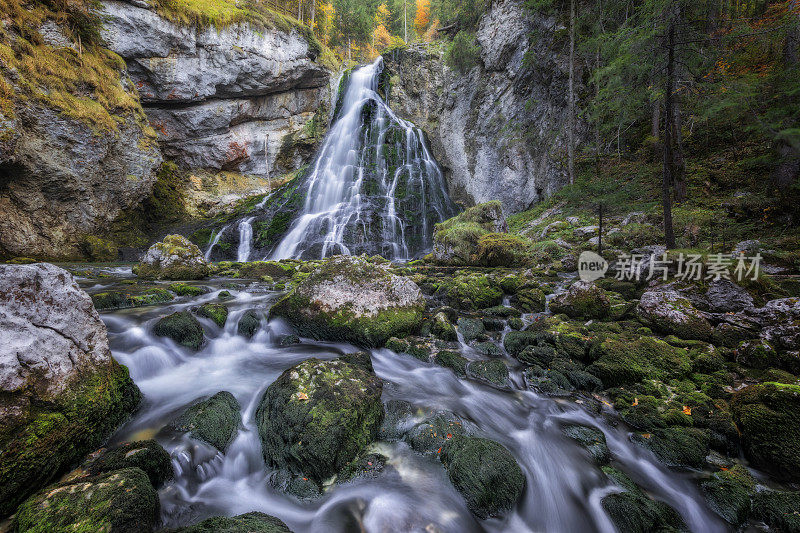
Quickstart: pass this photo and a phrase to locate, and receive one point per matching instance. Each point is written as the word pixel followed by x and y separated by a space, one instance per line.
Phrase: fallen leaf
pixel 687 410
pixel 646 435
pixel 302 396
pixel 635 402
pixel 439 450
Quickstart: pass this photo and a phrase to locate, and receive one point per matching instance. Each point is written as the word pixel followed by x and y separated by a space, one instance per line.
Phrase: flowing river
pixel 563 490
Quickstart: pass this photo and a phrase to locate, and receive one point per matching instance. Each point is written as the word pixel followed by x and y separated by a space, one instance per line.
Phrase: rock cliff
pixel 498 131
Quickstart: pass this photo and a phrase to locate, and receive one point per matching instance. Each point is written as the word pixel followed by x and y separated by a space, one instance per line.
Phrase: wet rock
pixel 215 420
pixel 218 313
pixel 453 361
pixel 529 300
pixel 768 416
pixel 352 299
pixel 430 435
pixel 470 291
pixel 471 329
pixel 494 371
pixel 484 472
pixel 669 312
pixel 183 289
pixel 619 361
pixel 173 258
pixel 488 348
pixel 253 522
pixel 728 493
pixel 516 341
pixel 147 455
pixel 181 327
pixel 288 340
pixel 273 269
pixel 677 446
pixel 104 301
pixel 224 296
pixel 502 311
pixel 633 511
pixel 120 501
pixel 61 392
pixel 778 509
pixel 250 323
pixel 547 381
pixel 592 439
pixel 442 328
pixel 516 323
pixel 365 465
pixel 582 300
pixel 724 296
pixel 400 417
pixel 318 416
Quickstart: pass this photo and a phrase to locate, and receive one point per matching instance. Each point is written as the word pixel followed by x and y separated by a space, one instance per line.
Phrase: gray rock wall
pixel 498 131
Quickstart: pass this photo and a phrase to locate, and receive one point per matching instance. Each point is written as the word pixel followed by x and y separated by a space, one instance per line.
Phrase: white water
pixel 336 205
pixel 214 242
pixel 245 239
pixel 563 491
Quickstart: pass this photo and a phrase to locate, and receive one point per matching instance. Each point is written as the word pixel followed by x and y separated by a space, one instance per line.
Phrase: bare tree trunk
pixel 655 129
pixel 666 181
pixel 571 133
pixel 678 162
pixel 313 12
pixel 300 10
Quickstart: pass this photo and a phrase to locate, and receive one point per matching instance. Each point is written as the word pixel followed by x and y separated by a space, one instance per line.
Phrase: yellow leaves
pixel 302 396
pixel 423 16
pixel 635 402
pixel 646 435
pixel 687 410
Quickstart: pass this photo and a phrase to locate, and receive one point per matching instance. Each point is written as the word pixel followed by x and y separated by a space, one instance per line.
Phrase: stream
pixel 563 490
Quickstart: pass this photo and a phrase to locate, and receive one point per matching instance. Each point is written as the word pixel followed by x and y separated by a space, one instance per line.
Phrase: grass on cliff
pixel 83 81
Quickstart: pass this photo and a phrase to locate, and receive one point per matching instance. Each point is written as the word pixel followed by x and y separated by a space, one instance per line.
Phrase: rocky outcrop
pixel 354 300
pixel 173 258
pixel 479 124
pixel 61 393
pixel 60 180
pixel 241 98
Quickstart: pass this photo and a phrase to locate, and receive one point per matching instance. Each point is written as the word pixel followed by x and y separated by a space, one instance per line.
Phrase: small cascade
pixel 245 239
pixel 373 188
pixel 214 242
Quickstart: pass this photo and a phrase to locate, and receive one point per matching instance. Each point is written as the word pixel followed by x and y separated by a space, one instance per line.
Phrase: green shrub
pixel 464 52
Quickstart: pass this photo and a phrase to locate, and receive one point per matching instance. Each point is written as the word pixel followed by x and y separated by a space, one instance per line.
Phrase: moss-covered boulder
pixel 218 313
pixel 442 328
pixel 61 392
pixel 502 250
pixel 728 493
pixel 677 446
pixel 452 360
pixel 354 300
pixel 484 472
pixel 471 329
pixel 215 420
pixel 778 509
pixel 184 289
pixel 147 455
pixel 621 360
pixel 582 300
pixel 104 301
pixel 768 417
pixel 318 416
pixel 181 327
pixel 249 323
pixel 253 522
pixel 120 501
pixel 493 371
pixel 470 291
pixel 273 269
pixel 592 439
pixel 669 312
pixel 634 511
pixel 529 299
pixel 173 258
pixel 455 241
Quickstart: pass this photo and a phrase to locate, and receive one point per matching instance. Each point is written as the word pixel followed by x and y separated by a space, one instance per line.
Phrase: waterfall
pixel 373 187
pixel 214 242
pixel 245 239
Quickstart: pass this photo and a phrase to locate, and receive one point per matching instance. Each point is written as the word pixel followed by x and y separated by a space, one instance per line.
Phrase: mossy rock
pixel 503 311
pixel 778 509
pixel 502 250
pixel 728 493
pixel 110 300
pixel 493 371
pixel 215 420
pixel 768 416
pixel 453 361
pixel 351 299
pixel 442 328
pixel 249 323
pixel 181 327
pixel 97 249
pixel 516 323
pixel 592 439
pixel 670 313
pixel 456 239
pixel 582 300
pixel 253 522
pixel 173 258
pixel 470 292
pixel 484 472
pixel 516 341
pixel 623 361
pixel 218 313
pixel 147 455
pixel 471 329
pixel 365 465
pixel 488 348
pixel 430 435
pixel 273 269
pixel 224 296
pixel 318 416
pixel 120 501
pixel 183 289
pixel 634 511
pixel 677 446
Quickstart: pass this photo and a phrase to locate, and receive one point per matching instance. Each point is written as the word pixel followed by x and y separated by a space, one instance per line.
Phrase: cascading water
pixel 214 242
pixel 245 239
pixel 374 186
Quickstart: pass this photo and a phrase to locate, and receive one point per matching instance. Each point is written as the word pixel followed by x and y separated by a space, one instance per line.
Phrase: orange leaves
pixel 423 16
pixel 646 435
pixel 302 396
pixel 687 410
pixel 635 402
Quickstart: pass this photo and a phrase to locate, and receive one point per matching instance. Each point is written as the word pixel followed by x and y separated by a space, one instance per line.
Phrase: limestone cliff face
pixel 498 131
pixel 240 99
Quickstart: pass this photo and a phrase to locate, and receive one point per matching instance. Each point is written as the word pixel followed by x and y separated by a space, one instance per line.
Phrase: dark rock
pixel 633 511
pixel 253 522
pixel 471 329
pixel 181 327
pixel 214 420
pixel 148 455
pixel 494 371
pixel 249 323
pixel 592 439
pixel 218 313
pixel 728 493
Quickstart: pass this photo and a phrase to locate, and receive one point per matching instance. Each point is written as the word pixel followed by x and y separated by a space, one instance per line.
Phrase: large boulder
pixel 583 299
pixel 669 312
pixel 122 501
pixel 318 416
pixel 484 472
pixel 768 416
pixel 173 258
pixel 253 522
pixel 354 300
pixel 634 511
pixel 61 392
pixel 457 241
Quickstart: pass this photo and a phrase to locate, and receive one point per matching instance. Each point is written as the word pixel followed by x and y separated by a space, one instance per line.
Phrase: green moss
pixel 502 249
pixel 622 361
pixel 453 361
pixel 529 299
pixel 249 323
pixel 633 511
pixel 274 269
pixel 97 249
pixel 728 493
pixel 182 289
pixel 243 523
pixel 592 439
pixel 216 312
pixel 443 329
pixel 214 420
pixel 181 327
pixel 494 371
pixel 778 509
pixel 147 455
pixel 677 446
pixel 470 291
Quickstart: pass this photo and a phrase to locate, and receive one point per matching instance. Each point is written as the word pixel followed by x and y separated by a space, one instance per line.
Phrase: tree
pixel 353 20
pixel 572 111
pixel 423 17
